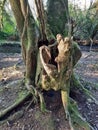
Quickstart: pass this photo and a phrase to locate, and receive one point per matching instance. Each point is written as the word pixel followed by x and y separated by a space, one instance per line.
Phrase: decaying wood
pixel 52 74
pixel 64 57
pixel 58 78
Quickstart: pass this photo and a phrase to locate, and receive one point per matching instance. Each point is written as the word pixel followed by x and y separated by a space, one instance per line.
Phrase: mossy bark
pixel 27 30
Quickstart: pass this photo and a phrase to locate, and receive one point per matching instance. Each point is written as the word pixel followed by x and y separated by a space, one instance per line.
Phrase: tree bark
pixel 26 27
pixel 58 16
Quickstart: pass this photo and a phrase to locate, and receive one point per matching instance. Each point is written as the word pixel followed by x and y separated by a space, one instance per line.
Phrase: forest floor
pixel 28 116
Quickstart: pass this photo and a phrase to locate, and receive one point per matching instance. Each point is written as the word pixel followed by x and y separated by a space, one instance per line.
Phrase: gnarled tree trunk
pixel 53 77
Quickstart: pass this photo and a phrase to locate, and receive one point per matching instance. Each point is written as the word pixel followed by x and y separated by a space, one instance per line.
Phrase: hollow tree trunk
pixel 52 78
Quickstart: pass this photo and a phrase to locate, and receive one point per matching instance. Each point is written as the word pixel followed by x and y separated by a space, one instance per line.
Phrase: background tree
pixel 58 16
pixel 85 23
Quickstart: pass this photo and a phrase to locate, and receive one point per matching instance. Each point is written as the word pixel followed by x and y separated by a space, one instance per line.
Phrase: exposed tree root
pixel 23 95
pixel 76 83
pixel 13 106
pixel 37 94
pixel 16 116
pixel 77 120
